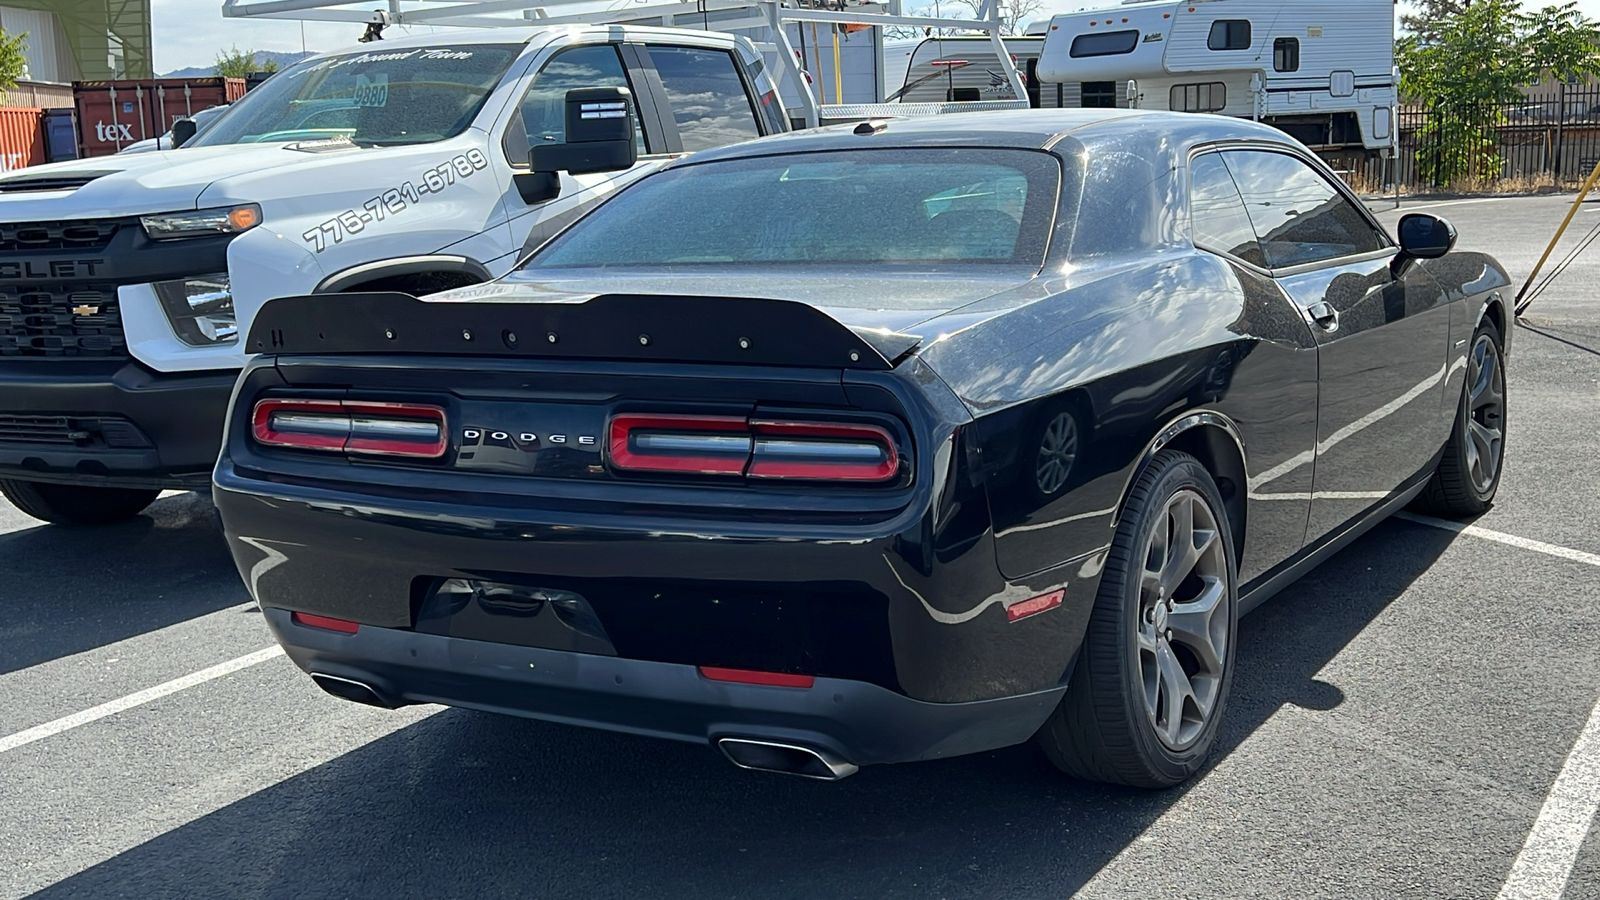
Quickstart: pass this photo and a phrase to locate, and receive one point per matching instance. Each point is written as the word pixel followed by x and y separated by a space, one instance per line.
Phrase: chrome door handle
pixel 1326 317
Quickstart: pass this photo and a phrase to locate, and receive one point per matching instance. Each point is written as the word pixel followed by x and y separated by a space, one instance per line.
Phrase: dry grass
pixel 1367 183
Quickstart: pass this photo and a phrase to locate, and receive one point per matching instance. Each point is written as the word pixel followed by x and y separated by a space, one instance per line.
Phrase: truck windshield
pixel 375 97
pixel 884 206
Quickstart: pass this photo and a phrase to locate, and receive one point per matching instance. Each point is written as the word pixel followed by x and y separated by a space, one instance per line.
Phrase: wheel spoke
pixel 1193 626
pixel 1175 692
pixel 1180 553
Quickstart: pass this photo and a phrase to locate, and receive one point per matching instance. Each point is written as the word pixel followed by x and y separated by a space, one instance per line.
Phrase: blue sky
pixel 190 32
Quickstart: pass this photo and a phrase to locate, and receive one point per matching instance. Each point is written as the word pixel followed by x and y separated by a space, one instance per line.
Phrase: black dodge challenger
pixel 871 444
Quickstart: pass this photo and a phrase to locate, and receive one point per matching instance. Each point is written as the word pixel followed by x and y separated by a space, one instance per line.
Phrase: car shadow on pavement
pixel 465 804
pixel 66 590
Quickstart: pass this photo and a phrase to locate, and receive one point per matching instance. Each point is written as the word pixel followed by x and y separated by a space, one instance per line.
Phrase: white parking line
pixel 1451 203
pixel 66 723
pixel 1512 540
pixel 1545 863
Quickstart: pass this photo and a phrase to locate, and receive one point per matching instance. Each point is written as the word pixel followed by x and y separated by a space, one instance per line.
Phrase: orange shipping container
pixel 21 138
pixel 114 114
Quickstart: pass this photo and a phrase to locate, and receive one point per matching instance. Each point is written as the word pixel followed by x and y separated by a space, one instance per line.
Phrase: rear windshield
pixel 856 206
pixel 376 97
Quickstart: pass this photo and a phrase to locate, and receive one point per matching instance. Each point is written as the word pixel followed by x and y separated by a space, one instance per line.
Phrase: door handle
pixel 1326 317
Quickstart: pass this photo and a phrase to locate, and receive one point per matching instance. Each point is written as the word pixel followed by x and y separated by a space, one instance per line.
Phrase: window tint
pixel 707 96
pixel 1099 94
pixel 1298 216
pixel 1105 43
pixel 1217 211
pixel 1286 55
pixel 847 207
pixel 1229 34
pixel 542 118
pixel 1209 97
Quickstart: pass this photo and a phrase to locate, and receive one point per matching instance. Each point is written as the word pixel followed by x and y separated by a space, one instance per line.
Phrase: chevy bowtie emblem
pixel 86 310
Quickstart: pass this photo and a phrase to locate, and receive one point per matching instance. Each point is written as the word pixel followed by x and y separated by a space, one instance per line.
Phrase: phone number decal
pixel 395 200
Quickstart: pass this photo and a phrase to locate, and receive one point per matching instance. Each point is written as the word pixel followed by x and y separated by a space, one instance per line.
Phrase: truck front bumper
pixel 110 423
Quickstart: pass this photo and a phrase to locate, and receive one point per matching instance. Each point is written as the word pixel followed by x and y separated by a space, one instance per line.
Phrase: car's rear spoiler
pixel 687 329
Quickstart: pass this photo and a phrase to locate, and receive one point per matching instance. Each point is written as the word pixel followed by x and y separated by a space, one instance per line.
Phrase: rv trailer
pixel 944 69
pixel 1319 70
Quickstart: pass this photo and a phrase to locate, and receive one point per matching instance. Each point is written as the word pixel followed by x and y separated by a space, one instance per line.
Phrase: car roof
pixel 1018 128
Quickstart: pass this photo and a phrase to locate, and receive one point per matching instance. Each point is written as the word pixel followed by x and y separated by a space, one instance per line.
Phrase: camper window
pixel 1209 96
pixel 1286 55
pixel 1098 95
pixel 1229 34
pixel 1106 43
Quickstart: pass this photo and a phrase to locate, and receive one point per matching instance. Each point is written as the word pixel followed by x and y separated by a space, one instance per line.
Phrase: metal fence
pixel 1551 138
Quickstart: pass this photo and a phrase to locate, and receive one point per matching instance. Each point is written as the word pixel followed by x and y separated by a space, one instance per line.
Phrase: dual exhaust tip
pixel 746 753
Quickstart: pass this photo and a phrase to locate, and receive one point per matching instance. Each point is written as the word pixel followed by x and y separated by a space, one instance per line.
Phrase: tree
pixel 1474 64
pixel 1013 16
pixel 233 64
pixel 13 65
pixel 1431 15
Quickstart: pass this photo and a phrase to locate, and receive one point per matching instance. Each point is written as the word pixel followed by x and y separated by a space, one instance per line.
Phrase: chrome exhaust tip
pixel 786 759
pixel 350 689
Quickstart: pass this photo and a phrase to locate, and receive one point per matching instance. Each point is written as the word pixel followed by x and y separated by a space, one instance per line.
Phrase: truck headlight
pixel 200 309
pixel 202 222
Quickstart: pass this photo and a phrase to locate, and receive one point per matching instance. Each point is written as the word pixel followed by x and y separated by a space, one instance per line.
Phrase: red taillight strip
pixel 326 623
pixel 261 424
pixel 374 436
pixel 623 455
pixel 750 676
pixel 835 470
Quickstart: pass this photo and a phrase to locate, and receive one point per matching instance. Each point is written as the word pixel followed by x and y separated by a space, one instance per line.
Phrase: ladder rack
pixel 769 16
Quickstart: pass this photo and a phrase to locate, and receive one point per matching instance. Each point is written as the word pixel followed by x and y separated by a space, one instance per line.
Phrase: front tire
pixel 1152 677
pixel 1468 474
pixel 71 504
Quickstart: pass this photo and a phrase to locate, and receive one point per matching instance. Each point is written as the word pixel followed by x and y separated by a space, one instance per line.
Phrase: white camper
pixel 1320 70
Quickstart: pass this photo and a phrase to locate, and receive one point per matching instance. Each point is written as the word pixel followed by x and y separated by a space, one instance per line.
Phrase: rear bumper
pixel 859 722
pixel 130 426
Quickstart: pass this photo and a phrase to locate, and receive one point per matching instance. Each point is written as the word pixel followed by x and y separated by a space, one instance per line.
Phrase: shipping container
pixel 60 134
pixel 21 138
pixel 114 114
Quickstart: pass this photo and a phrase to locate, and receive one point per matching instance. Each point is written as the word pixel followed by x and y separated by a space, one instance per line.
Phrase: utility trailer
pixel 1321 71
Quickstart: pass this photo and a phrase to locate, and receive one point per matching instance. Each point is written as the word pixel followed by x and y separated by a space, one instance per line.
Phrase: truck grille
pixel 61 321
pixel 82 235
pixel 115 432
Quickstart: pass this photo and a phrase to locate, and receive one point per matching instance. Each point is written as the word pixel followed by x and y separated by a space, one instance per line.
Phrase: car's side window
pixel 542 115
pixel 1217 211
pixel 1298 216
pixel 708 98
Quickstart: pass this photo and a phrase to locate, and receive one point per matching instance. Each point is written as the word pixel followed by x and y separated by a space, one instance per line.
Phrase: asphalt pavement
pixel 1407 721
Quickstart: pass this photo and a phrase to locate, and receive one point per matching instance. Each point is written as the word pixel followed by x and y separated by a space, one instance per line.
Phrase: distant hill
pixel 284 61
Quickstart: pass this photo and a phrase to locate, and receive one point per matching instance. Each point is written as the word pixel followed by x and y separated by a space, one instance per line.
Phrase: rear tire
pixel 71 504
pixel 1152 678
pixel 1468 475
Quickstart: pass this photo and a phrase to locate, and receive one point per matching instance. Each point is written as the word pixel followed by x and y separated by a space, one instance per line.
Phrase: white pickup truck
pixel 128 282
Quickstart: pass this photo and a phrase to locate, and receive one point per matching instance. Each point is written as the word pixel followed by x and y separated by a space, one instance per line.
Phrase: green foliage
pixel 12 61
pixel 233 64
pixel 1469 65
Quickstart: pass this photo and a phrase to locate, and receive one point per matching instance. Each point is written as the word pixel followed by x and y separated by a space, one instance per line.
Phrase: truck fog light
pixel 200 309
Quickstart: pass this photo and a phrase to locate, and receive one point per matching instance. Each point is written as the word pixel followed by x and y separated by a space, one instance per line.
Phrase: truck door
pixel 540 117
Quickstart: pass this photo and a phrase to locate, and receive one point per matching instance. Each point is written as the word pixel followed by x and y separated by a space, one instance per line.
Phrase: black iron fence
pixel 1549 139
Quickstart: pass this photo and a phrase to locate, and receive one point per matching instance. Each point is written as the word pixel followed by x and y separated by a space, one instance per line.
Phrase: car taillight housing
pixel 351 426
pixel 753 448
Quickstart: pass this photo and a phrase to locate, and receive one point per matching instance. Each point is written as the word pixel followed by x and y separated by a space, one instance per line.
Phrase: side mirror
pixel 1424 236
pixel 599 138
pixel 182 131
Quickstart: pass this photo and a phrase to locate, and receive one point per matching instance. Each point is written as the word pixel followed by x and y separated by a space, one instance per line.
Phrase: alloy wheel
pixel 1486 403
pixel 1184 598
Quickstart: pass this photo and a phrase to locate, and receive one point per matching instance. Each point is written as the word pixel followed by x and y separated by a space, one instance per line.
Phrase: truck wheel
pixel 1152 677
pixel 71 504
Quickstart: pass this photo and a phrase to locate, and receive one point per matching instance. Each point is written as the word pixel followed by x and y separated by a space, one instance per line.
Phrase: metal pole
pixel 1587 185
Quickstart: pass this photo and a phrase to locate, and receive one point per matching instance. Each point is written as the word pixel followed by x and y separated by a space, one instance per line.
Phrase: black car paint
pixel 1144 339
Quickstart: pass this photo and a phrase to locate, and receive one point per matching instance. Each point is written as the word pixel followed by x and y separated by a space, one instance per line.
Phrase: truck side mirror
pixel 599 138
pixel 182 131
